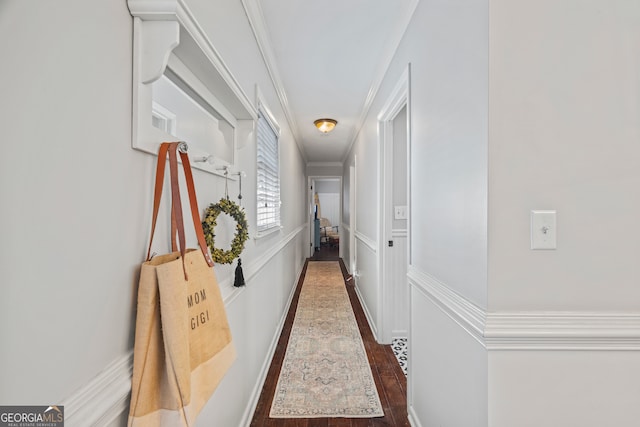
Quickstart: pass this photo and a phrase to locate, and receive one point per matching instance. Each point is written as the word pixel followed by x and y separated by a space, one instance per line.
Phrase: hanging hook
pixel 183 147
pixel 240 184
pixel 226 183
pixel 205 159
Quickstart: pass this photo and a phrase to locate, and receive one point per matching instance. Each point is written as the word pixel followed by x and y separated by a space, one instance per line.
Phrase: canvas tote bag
pixel 183 345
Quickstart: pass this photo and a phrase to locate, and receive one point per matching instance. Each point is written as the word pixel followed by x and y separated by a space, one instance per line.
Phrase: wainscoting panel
pixel 104 401
pixel 366 279
pixel 399 284
pixel 447 368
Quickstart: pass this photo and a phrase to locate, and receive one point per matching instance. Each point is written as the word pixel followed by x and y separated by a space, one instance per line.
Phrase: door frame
pixel 397 100
pixel 310 191
pixel 352 216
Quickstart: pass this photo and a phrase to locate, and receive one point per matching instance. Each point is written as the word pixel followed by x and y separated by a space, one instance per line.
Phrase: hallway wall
pixel 447 46
pixel 564 133
pixel 518 106
pixel 76 212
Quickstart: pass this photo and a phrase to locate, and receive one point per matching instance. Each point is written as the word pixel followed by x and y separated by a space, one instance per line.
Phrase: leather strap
pixel 193 200
pixel 177 221
pixel 157 193
pixel 177 203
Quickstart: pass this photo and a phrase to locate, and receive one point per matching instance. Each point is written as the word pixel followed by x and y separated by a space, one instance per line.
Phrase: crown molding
pixel 255 16
pixel 325 164
pixel 387 56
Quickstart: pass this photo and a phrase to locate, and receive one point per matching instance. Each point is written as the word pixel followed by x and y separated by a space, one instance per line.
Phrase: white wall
pixel 330 207
pixel 524 105
pixel 399 186
pixel 77 205
pixel 564 133
pixel 447 46
pixel 324 169
pixel 327 186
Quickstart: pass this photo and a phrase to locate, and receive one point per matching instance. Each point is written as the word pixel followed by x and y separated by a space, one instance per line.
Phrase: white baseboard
pixel 104 398
pixel 413 418
pixel 399 333
pixel 367 314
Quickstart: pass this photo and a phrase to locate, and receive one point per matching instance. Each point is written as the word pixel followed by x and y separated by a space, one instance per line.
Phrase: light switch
pixel 543 229
pixel 400 212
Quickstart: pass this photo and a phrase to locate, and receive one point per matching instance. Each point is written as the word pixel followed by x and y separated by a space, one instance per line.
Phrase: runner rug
pixel 325 372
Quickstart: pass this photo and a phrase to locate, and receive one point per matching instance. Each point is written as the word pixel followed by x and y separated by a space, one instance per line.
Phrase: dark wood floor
pixel 327 253
pixel 390 380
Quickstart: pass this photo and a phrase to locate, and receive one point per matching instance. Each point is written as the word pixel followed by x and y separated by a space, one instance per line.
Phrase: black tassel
pixel 239 282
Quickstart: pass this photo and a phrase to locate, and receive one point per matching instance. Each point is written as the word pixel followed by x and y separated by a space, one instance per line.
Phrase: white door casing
pixel 393 261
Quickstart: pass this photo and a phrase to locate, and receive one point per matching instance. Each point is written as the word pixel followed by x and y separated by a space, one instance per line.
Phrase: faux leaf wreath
pixel 242 230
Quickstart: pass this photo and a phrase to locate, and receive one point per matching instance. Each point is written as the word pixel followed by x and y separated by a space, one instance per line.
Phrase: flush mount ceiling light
pixel 325 125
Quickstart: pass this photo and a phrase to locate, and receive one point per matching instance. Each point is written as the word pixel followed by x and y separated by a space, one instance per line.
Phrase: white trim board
pixel 369 243
pixel 102 399
pixel 325 164
pixel 466 314
pixel 230 293
pixel 526 330
pixel 367 314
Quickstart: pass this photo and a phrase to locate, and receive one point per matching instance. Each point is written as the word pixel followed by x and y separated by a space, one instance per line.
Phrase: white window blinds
pixel 268 176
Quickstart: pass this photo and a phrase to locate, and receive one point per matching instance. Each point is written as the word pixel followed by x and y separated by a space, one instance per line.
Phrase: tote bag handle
pixel 171 148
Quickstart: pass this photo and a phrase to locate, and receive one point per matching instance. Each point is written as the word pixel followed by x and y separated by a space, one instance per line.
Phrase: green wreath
pixel 242 234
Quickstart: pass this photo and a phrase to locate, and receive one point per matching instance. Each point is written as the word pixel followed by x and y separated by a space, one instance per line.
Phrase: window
pixel 268 170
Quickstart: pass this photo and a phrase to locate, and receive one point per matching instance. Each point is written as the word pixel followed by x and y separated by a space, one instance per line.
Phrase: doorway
pixel 394 245
pixel 325 219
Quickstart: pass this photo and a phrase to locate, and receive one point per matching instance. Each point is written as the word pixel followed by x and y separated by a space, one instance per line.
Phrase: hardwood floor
pixel 390 380
pixel 327 253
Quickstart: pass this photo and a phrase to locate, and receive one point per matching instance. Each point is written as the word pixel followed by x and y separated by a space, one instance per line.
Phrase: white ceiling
pixel 327 59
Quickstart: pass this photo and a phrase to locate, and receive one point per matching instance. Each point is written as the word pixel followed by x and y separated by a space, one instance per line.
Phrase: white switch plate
pixel 400 212
pixel 543 230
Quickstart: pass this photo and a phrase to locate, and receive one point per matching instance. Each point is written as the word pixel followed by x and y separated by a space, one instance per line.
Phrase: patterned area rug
pixel 325 372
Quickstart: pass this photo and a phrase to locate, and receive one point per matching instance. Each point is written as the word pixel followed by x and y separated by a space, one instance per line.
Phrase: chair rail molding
pixel 462 311
pixel 532 330
pixel 562 331
pixel 369 243
pixel 167 36
pixel 104 398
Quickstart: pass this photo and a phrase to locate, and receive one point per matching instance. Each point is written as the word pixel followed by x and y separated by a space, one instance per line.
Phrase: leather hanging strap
pixel 177 221
pixel 197 223
pixel 157 193
pixel 176 203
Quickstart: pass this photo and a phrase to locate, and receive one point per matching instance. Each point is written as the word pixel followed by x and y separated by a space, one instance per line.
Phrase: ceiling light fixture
pixel 325 125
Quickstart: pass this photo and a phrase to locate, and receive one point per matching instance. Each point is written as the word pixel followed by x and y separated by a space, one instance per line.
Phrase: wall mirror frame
pixel 170 48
